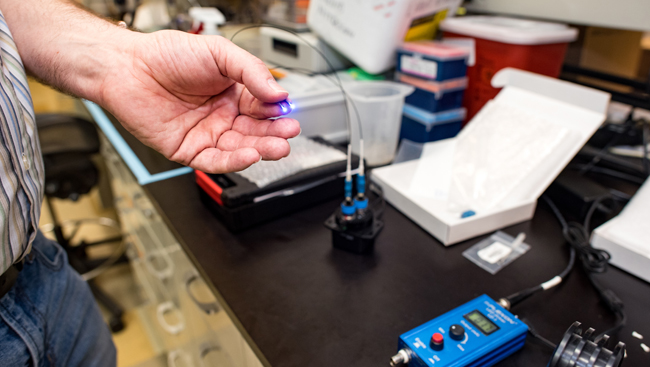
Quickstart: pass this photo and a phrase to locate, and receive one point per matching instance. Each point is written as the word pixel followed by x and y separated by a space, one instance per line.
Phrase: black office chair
pixel 68 144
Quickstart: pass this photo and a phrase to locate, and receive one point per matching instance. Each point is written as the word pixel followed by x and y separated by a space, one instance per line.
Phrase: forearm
pixel 66 46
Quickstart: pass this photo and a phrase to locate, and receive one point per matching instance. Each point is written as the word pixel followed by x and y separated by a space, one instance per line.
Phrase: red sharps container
pixel 502 42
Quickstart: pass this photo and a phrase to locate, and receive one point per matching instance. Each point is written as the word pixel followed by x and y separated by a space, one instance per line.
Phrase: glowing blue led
pixel 292 106
pixel 284 108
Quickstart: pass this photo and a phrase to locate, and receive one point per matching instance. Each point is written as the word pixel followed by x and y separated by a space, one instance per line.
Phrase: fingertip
pixel 277 89
pixel 284 128
pixel 272 148
pixel 270 110
pixel 243 158
pixel 282 149
pixel 249 70
pixel 268 91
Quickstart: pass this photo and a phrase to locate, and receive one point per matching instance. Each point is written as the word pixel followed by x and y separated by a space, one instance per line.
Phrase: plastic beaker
pixel 379 106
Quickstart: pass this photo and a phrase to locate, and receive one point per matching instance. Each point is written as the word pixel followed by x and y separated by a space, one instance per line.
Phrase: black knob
pixel 456 332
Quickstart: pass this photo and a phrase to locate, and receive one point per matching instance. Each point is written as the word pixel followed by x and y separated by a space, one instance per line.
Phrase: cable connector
pixel 612 301
pixel 551 283
pixel 348 189
pixel 348 207
pixel 361 202
pixel 361 184
pixel 401 358
pixel 361 177
pixel 505 303
pixel 348 175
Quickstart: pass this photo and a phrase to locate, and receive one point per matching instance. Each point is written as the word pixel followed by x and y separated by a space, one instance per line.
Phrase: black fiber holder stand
pixel 354 236
pixel 356 232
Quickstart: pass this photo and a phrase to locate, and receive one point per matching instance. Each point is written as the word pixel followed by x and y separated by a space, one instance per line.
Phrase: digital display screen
pixel 481 322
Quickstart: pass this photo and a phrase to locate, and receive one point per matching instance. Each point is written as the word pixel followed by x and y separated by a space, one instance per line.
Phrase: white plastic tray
pixel 578 108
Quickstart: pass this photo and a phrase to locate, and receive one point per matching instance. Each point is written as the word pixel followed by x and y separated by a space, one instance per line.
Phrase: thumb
pixel 242 67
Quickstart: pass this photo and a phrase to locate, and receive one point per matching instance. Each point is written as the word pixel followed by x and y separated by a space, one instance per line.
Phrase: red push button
pixel 437 341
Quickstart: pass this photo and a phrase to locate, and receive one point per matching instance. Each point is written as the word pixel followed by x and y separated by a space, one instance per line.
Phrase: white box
pixel 582 110
pixel 369 31
pixel 627 236
pixel 290 51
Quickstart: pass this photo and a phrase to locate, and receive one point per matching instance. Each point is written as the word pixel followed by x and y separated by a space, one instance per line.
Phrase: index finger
pixel 242 67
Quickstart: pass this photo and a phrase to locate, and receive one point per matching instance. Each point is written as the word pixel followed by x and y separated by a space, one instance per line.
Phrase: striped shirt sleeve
pixel 21 163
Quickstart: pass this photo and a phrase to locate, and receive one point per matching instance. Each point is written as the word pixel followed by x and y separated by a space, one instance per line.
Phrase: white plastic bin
pixel 319 104
pixel 369 31
pixel 321 113
pixel 379 106
pixel 290 51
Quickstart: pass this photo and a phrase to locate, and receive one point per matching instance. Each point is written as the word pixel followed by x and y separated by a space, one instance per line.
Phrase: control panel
pixel 478 333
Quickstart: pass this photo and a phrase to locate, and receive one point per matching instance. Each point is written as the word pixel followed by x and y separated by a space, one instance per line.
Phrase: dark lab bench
pixel 299 302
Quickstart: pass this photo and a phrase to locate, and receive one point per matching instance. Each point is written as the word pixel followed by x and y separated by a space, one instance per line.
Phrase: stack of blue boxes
pixel 438 71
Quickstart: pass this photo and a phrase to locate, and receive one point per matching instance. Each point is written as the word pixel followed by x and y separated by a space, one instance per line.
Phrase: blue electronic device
pixel 478 333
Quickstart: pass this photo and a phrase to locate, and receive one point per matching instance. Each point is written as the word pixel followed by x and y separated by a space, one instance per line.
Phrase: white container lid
pixel 510 30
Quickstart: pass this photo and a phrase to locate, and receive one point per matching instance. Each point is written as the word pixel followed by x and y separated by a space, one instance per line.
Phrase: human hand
pixel 199 100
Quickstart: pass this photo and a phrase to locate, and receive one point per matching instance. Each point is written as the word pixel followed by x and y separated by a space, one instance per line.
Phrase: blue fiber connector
pixel 348 208
pixel 361 201
pixel 348 188
pixel 361 184
pixel 361 204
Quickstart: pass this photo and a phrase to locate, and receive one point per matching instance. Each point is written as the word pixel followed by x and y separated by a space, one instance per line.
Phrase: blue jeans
pixel 50 318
